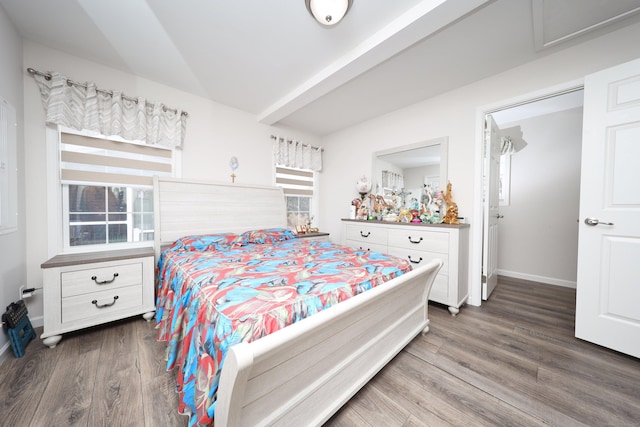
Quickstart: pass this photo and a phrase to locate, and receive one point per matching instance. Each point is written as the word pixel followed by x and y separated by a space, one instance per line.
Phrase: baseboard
pixel 37 322
pixel 4 352
pixel 539 279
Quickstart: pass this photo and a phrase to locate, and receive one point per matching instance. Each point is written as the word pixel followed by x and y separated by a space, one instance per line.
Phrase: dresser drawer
pixel 418 258
pixel 367 235
pixel 422 240
pixel 94 279
pixel 106 303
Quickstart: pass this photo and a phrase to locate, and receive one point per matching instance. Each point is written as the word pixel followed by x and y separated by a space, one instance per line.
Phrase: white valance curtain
pixel 295 154
pixel 85 107
pixel 392 180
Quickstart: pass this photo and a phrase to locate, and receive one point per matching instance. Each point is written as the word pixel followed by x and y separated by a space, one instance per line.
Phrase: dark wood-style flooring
pixel 512 362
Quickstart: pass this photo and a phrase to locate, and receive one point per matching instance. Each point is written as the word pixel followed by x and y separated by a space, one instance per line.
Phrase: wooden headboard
pixel 184 207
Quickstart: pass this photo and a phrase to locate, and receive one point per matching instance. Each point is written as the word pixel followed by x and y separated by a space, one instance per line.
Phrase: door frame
pixel 475 293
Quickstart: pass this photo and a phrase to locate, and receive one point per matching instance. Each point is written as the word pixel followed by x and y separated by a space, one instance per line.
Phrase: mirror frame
pixel 444 149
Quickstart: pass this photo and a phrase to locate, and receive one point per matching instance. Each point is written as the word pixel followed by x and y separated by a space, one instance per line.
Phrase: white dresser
pixel 420 243
pixel 87 289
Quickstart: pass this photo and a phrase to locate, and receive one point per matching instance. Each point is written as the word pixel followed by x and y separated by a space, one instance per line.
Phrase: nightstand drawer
pixel 97 279
pixel 103 303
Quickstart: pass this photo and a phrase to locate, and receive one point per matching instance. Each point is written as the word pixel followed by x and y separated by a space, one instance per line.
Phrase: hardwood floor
pixel 513 361
pixel 113 375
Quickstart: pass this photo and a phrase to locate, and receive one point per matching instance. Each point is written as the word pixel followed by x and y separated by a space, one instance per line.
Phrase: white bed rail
pixel 302 374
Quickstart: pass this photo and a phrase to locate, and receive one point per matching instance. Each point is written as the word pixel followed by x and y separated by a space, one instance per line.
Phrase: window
pixel 8 169
pixel 103 215
pixel 107 189
pixel 298 186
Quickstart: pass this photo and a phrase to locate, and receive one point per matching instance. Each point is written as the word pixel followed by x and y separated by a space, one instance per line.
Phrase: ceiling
pixel 274 61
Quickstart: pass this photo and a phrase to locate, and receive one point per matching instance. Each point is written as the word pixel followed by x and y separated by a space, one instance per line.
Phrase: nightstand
pixel 316 235
pixel 88 289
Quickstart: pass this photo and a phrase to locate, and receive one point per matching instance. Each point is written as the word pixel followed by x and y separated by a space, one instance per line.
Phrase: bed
pixel 333 316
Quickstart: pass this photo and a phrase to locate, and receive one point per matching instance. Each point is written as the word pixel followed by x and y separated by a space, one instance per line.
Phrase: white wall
pixel 12 246
pixel 538 236
pixel 214 133
pixel 457 114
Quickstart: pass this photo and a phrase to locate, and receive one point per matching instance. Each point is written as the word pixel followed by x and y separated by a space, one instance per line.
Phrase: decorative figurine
pixel 405 216
pixel 451 217
pixel 233 164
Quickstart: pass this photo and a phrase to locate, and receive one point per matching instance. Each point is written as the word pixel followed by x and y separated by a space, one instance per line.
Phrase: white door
pixel 608 282
pixel 491 207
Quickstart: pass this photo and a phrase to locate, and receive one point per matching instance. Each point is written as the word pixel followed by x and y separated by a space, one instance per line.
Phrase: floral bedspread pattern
pixel 215 295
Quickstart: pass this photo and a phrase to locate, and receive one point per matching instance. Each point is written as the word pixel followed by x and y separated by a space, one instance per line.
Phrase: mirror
pixel 410 167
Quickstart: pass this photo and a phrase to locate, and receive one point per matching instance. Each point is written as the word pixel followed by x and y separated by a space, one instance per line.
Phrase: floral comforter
pixel 218 290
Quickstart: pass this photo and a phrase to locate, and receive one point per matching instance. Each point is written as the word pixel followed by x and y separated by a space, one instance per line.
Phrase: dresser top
pixel 91 257
pixel 411 224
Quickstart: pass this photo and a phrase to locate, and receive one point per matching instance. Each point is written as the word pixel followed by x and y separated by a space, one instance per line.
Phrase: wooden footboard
pixel 302 374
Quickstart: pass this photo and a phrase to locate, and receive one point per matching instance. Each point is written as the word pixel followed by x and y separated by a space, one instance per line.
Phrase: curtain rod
pixel 291 140
pixel 47 76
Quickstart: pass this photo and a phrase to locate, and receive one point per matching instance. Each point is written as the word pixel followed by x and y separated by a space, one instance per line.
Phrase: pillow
pixel 206 242
pixel 268 235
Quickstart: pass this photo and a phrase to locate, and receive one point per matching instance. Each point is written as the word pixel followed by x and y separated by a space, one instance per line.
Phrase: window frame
pixel 315 198
pixel 58 217
pixel 8 169
pixel 129 221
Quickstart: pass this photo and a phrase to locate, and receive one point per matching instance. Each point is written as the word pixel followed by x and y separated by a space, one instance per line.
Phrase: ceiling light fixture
pixel 328 12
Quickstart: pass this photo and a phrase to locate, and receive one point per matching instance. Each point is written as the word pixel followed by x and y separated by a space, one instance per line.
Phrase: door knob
pixel 594 221
pixel 499 216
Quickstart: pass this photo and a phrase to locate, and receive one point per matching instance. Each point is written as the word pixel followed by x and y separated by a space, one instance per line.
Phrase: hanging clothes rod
pixel 47 76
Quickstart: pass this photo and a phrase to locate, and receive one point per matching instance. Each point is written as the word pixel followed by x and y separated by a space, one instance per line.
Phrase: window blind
pixel 85 159
pixel 295 182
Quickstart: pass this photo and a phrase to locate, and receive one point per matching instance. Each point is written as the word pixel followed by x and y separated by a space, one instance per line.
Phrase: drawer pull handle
pixel 95 302
pixel 104 282
pixel 368 234
pixel 414 261
pixel 415 241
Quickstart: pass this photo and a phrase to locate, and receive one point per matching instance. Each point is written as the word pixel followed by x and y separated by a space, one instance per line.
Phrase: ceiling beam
pixel 419 22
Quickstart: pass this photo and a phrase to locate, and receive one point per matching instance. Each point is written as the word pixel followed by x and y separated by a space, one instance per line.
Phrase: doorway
pixel 537 235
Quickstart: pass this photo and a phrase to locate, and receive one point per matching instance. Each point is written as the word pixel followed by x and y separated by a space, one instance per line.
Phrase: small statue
pixel 431 209
pixel 362 212
pixel 382 202
pixel 405 216
pixel 414 203
pixel 451 217
pixel 377 208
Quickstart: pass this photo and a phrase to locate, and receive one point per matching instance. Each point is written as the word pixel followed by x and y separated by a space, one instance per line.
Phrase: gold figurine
pixel 451 216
